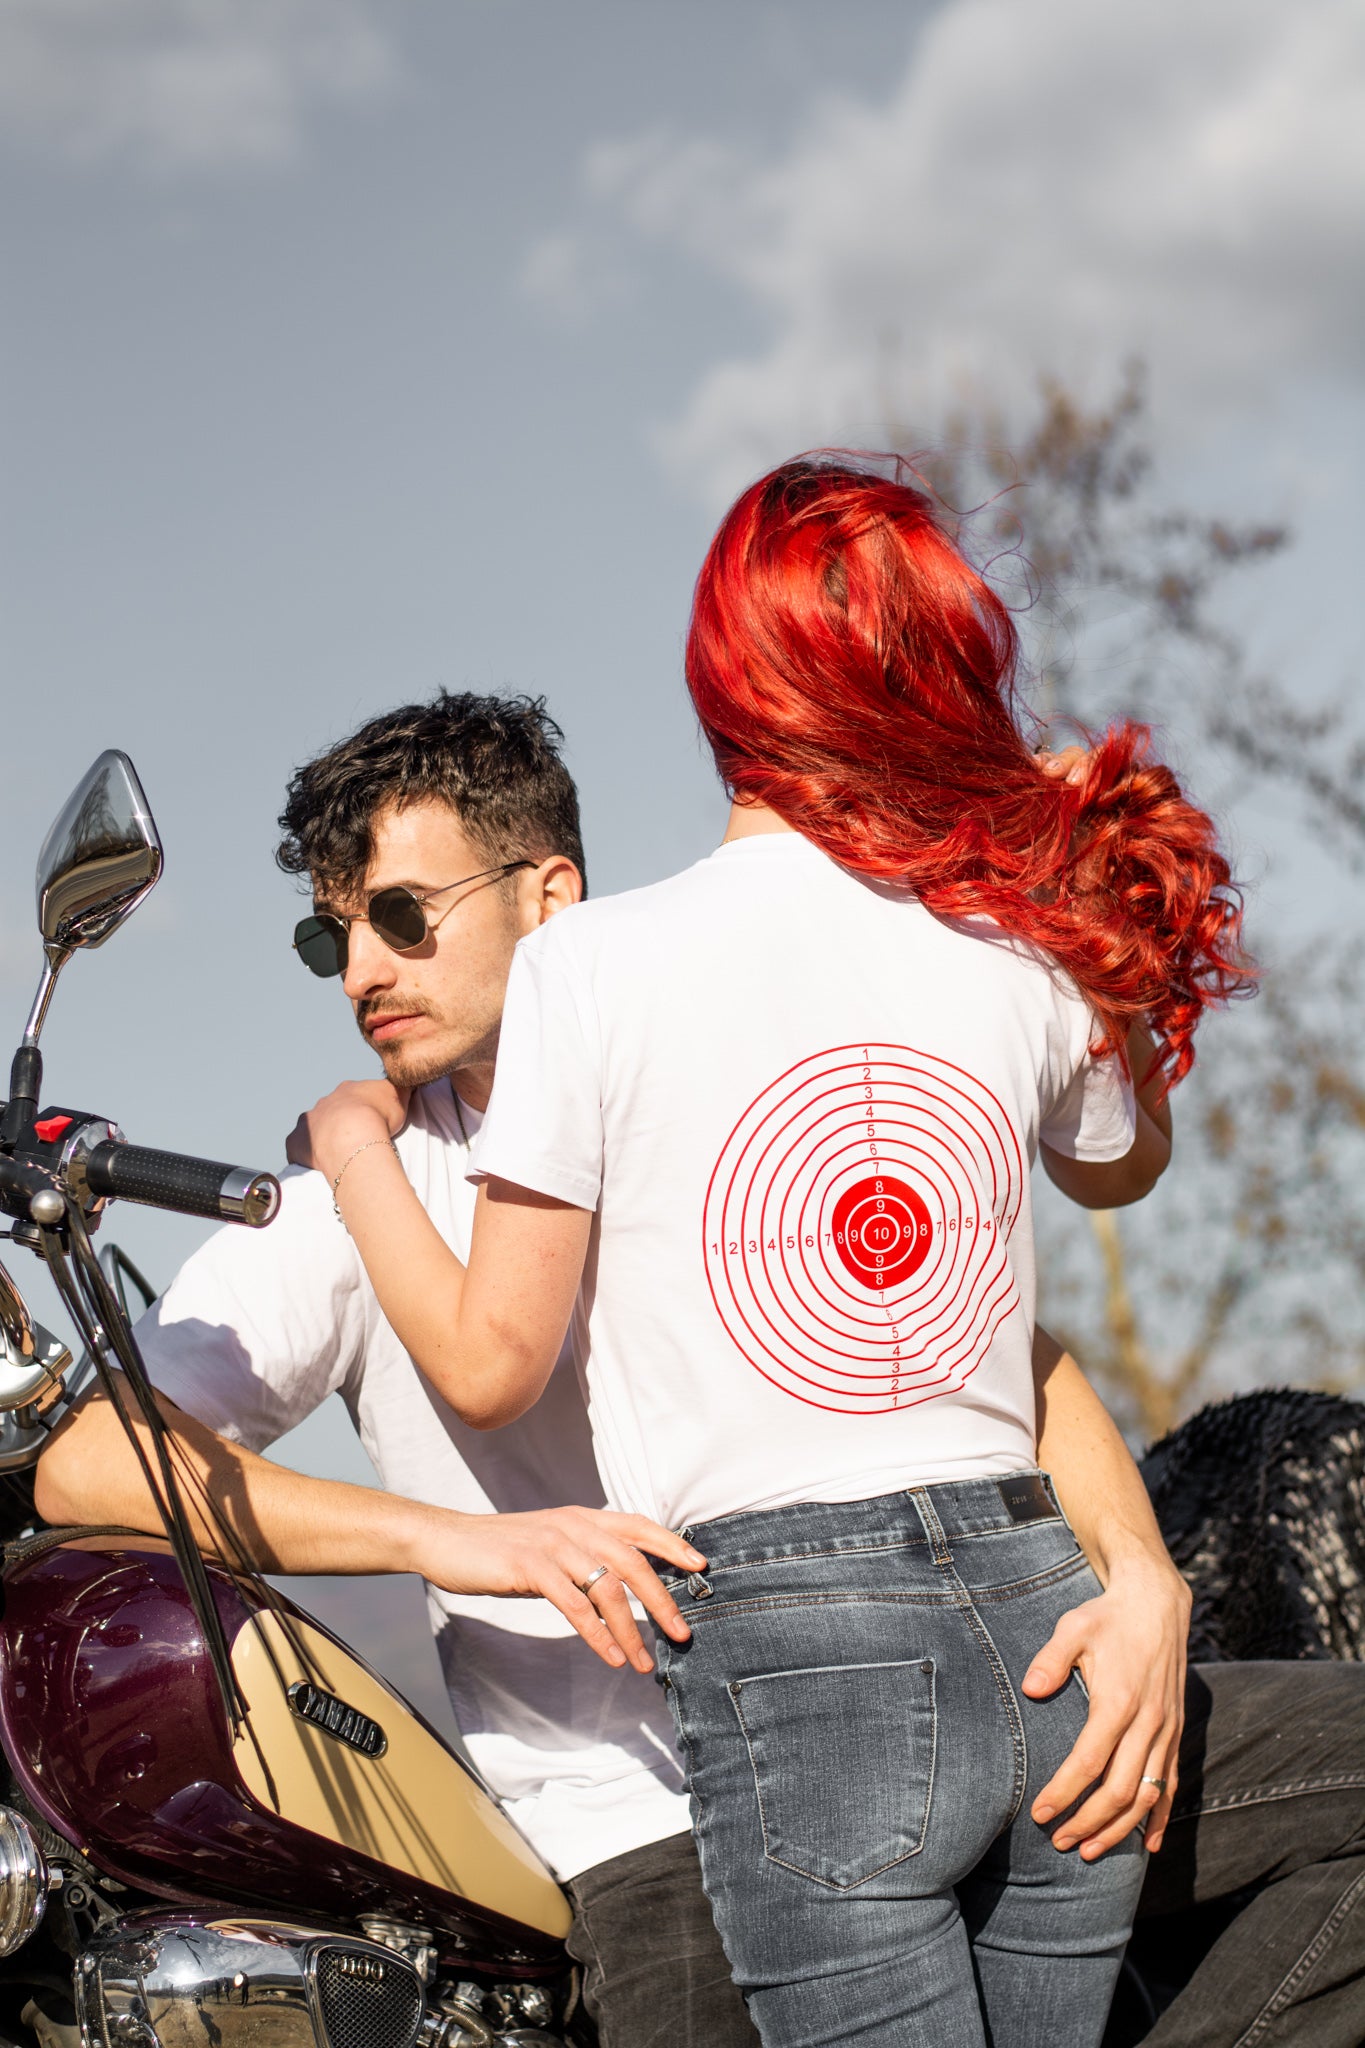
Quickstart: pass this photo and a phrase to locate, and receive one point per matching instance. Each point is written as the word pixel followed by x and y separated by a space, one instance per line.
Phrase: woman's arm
pixel 1114 1183
pixel 1129 1644
pixel 486 1338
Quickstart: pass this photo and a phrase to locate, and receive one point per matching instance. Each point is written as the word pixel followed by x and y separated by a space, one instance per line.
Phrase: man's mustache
pixel 370 1013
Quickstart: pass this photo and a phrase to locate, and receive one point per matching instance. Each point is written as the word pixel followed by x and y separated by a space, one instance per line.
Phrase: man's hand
pixel 1129 1647
pixel 329 1133
pixel 286 1522
pixel 553 1555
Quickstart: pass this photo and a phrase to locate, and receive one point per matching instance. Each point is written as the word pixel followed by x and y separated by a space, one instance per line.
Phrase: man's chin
pixel 415 1066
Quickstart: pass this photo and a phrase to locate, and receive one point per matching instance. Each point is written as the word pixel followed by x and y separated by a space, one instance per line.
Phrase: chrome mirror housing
pixel 99 860
pixel 101 857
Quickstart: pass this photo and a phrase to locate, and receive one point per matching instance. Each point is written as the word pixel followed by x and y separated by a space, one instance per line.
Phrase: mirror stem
pixel 51 969
pixel 26 1074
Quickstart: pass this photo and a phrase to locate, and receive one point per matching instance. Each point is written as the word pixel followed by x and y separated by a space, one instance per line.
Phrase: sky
pixel 348 351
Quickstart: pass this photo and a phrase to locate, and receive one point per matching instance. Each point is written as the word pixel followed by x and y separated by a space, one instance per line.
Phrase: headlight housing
pixel 23 1881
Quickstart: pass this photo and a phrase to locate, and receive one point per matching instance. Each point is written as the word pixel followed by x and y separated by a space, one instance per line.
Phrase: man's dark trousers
pixel 1270 1817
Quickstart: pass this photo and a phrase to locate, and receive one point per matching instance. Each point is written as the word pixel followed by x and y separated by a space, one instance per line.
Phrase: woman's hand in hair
pixel 1071 764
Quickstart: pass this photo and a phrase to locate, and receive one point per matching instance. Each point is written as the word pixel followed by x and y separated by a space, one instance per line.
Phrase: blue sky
pixel 347 351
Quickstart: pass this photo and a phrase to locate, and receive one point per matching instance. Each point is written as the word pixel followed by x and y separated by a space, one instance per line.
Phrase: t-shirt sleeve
pixel 543 1127
pixel 260 1326
pixel 1094 1114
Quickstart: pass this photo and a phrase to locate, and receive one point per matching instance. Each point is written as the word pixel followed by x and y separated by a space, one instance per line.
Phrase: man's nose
pixel 370 964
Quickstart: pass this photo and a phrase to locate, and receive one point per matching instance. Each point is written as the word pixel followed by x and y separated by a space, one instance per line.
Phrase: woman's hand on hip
pixel 558 1554
pixel 1129 1647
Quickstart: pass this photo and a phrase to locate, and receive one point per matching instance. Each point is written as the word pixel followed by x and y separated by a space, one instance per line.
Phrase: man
pixel 456 825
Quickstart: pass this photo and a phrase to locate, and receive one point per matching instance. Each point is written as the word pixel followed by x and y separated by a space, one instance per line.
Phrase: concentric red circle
pixel 882 1231
pixel 856 1228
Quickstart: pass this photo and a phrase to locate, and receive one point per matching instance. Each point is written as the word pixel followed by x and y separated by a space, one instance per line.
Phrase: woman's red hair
pixel 853 671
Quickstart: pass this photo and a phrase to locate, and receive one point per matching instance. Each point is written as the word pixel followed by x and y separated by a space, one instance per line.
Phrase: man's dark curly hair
pixel 494 760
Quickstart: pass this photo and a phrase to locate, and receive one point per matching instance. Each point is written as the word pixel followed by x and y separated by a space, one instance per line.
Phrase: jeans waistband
pixel 962 1507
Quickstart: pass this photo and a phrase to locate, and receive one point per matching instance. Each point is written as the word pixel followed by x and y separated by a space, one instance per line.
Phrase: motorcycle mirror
pixel 99 860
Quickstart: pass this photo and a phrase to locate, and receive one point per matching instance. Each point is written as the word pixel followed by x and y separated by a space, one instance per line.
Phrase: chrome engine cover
pixel 190 1981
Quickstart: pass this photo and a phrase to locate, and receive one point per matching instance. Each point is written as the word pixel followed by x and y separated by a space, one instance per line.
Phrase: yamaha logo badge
pixel 344 1724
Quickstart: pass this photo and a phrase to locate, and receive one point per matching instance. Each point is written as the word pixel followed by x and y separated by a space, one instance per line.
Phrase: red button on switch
pixel 51 1128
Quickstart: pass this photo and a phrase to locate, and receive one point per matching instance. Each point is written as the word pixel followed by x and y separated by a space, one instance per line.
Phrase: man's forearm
pixel 1097 1481
pixel 282 1521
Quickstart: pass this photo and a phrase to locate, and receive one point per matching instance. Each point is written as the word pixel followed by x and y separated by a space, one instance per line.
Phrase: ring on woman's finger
pixel 1160 1783
pixel 586 1585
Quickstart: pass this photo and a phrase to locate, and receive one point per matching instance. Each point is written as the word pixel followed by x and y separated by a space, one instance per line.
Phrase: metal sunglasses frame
pixel 421 897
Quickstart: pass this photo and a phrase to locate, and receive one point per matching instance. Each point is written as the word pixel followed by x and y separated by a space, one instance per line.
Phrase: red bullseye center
pixel 882 1231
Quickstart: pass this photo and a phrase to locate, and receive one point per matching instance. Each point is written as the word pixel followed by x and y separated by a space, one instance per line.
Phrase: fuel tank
pixel 335 1799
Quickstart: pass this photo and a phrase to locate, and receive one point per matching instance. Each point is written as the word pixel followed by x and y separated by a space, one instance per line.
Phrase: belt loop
pixel 930 1523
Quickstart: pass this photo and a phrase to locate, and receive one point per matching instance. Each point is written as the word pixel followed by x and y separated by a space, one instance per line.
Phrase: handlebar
pixel 177 1180
pixel 22 1183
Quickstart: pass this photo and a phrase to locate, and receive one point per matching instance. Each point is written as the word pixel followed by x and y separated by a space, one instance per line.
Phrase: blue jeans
pixel 861 1764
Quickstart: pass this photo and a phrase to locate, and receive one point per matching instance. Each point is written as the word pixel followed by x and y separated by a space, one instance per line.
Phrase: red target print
pixel 882 1230
pixel 856 1228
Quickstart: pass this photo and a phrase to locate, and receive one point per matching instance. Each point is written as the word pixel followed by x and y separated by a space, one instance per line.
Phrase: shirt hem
pixel 542 1180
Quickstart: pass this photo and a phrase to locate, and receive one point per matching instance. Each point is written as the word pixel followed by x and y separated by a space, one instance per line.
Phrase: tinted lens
pixel 320 943
pixel 398 918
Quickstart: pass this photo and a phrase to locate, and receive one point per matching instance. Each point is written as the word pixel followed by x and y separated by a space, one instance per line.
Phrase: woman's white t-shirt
pixel 804 1110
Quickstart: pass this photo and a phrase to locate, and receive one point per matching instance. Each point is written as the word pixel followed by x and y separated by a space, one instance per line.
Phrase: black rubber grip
pixel 20 1180
pixel 176 1180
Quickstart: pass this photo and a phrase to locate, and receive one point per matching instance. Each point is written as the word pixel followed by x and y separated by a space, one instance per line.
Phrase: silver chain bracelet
pixel 368 1145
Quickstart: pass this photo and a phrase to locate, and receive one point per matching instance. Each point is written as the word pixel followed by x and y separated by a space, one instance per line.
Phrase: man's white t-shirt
pixel 804 1111
pixel 259 1327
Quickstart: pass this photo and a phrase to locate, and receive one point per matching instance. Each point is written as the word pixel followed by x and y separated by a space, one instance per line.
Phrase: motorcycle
pixel 217 1824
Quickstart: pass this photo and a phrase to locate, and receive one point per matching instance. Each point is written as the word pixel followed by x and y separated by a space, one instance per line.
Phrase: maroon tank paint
pixel 113 1723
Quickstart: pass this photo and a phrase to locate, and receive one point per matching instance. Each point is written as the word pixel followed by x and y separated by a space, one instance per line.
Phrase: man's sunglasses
pixel 397 916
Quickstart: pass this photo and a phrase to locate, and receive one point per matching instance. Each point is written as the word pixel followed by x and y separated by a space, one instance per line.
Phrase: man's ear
pixel 554 885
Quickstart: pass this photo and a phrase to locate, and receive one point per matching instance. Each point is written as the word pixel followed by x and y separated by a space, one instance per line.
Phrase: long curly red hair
pixel 854 672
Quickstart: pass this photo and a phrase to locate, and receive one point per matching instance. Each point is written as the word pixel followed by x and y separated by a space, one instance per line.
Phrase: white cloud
pixel 181 84
pixel 1053 185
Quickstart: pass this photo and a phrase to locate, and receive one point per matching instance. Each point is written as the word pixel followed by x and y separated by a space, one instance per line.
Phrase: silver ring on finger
pixel 586 1585
pixel 1160 1783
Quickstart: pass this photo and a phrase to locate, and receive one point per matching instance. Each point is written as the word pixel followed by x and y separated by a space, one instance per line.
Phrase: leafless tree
pixel 1246 1265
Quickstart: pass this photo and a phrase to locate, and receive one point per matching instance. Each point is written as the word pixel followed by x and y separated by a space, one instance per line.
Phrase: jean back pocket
pixel 843 1763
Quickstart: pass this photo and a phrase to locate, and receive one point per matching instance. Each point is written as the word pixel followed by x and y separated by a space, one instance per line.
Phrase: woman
pixel 775 1117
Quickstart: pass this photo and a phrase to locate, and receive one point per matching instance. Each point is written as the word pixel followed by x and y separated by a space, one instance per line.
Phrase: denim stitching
pixel 854 1549
pixel 1307 1961
pixel 925 1509
pixel 736 1700
pixel 1266 1795
pixel 594 1971
pixel 676 1716
pixel 1014 1589
pixel 766 1559
pixel 994 1596
pixel 776 1601
pixel 923 1505
pixel 1018 1589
